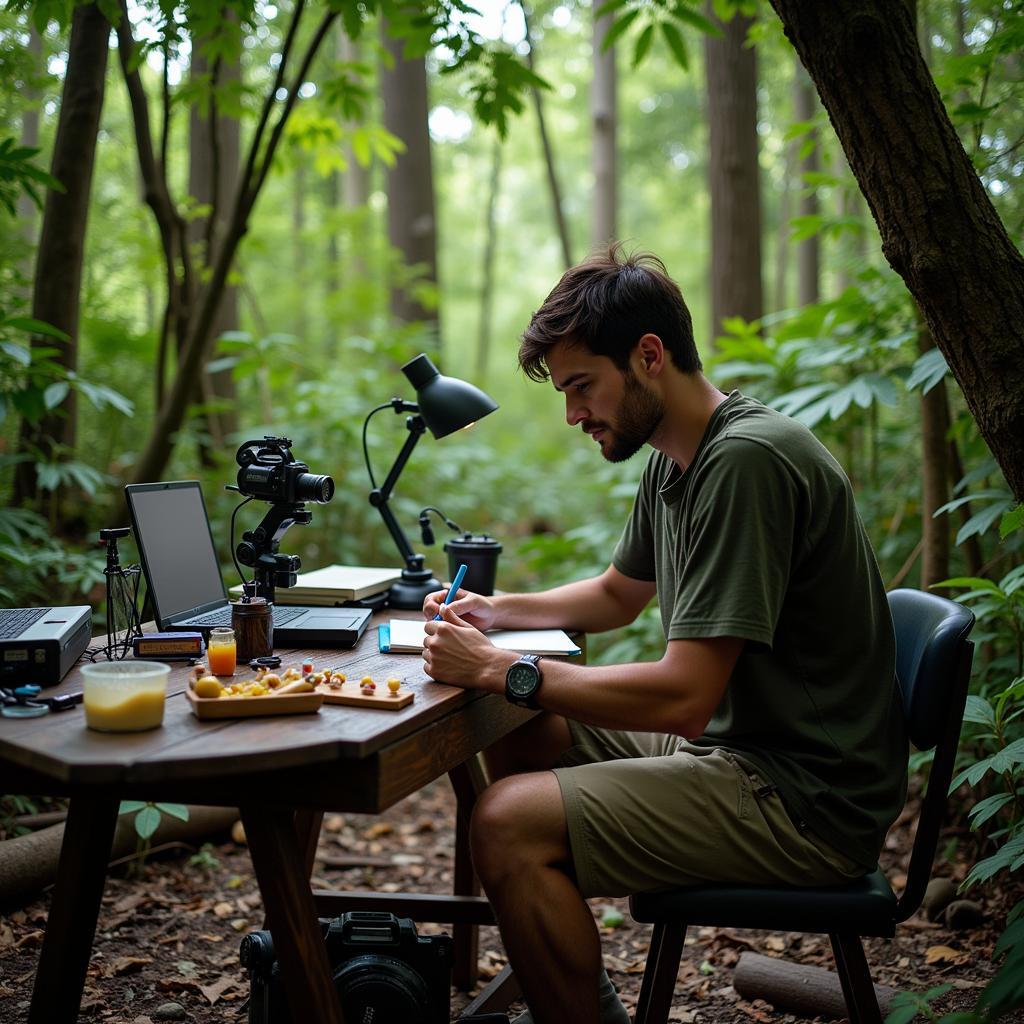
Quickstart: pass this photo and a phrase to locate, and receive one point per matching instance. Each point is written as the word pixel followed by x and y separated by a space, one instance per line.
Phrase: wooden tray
pixel 351 695
pixel 251 707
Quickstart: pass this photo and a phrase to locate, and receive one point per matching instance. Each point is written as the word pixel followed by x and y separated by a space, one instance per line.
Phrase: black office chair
pixel 933 666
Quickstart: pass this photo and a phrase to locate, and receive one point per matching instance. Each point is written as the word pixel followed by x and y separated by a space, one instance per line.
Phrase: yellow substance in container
pixel 112 711
pixel 124 696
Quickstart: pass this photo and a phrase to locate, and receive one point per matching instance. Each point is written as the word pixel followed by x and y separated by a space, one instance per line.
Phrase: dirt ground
pixel 171 937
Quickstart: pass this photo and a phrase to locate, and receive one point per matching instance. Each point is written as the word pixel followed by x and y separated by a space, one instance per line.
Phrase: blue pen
pixel 456 583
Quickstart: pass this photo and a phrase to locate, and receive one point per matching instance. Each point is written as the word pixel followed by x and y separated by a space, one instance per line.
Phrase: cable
pixel 234 557
pixel 366 451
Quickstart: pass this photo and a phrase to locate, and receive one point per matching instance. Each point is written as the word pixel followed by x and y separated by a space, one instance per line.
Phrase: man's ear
pixel 651 354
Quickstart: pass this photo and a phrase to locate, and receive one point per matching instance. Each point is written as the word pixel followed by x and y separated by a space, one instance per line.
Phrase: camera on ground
pixel 383 970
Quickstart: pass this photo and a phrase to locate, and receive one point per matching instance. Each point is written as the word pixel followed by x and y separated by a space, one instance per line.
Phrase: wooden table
pixel 282 773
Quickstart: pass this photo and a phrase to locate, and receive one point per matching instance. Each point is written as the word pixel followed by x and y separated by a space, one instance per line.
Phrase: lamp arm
pixel 380 496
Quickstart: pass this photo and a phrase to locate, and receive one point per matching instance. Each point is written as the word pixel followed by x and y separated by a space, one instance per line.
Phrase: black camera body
pixel 270 472
pixel 383 970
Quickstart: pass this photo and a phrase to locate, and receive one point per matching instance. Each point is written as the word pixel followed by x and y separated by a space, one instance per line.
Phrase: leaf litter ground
pixel 171 937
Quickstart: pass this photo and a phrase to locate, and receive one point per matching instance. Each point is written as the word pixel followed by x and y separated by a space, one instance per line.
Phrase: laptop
pixel 39 645
pixel 176 550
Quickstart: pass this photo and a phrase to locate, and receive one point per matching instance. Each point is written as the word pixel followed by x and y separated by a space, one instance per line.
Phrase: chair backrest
pixel 933 668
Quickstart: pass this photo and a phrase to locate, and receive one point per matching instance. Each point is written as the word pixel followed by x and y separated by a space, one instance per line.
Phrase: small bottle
pixel 253 622
pixel 221 651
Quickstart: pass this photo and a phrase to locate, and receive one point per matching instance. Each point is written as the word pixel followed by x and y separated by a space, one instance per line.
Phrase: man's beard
pixel 638 416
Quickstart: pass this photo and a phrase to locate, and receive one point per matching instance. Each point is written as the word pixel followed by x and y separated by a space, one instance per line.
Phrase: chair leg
pixel 659 981
pixel 854 976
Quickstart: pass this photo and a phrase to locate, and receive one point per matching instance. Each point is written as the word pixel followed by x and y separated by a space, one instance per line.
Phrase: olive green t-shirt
pixel 759 538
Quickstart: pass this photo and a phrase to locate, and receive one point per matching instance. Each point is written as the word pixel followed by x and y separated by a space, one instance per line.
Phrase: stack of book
pixel 336 585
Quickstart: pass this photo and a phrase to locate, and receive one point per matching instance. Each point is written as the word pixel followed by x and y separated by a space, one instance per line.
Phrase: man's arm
pixel 594 605
pixel 677 694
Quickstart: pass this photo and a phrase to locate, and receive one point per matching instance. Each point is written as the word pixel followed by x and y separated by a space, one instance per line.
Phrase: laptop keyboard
pixel 14 621
pixel 223 617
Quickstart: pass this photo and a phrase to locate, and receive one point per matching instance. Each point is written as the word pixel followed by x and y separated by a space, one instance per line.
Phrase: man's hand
pixel 456 652
pixel 474 609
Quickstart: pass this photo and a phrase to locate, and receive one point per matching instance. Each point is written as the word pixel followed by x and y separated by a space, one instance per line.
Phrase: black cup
pixel 480 554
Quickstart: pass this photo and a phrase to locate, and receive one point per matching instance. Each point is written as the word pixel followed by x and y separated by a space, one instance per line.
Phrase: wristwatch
pixel 522 681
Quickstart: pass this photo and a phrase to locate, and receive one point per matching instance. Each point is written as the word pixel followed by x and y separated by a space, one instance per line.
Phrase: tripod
pixel 122 597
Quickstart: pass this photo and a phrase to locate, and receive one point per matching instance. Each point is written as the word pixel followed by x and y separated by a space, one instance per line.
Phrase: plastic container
pixel 480 553
pixel 124 696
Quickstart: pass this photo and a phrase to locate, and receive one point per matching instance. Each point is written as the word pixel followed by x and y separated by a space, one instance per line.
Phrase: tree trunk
pixel 487 284
pixel 731 75
pixel 934 476
pixel 301 314
pixel 28 213
pixel 260 154
pixel 549 158
pixel 939 230
pixel 808 252
pixel 218 154
pixel 412 221
pixel 58 276
pixel 603 117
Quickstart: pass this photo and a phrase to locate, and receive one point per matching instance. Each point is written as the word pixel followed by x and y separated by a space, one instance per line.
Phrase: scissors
pixel 25 702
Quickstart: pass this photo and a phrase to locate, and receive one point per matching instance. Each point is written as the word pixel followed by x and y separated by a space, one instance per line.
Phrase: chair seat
pixel 865 907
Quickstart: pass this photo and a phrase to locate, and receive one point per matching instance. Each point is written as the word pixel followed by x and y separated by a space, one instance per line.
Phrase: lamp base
pixel 411 590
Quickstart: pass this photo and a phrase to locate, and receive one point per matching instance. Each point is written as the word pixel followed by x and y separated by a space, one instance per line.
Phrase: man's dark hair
pixel 606 304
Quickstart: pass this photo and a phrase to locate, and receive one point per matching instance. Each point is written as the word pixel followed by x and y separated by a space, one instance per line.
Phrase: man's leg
pixel 532 747
pixel 520 845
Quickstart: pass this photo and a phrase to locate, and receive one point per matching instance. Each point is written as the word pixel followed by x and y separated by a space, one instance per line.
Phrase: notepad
pixel 406 637
pixel 335 583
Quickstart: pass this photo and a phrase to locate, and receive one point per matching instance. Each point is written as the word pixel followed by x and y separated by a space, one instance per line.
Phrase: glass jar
pixel 221 651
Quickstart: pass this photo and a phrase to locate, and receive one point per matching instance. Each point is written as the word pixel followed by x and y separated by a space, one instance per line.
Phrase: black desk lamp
pixel 443 405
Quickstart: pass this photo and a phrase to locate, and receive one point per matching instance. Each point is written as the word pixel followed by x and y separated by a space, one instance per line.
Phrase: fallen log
pixel 29 863
pixel 796 988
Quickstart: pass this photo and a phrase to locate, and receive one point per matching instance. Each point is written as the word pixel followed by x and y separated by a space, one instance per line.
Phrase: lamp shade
pixel 446 404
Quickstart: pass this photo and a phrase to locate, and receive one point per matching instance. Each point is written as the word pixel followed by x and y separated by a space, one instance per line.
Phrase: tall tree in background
pixel 808 251
pixel 604 128
pixel 939 229
pixel 561 227
pixel 58 276
pixel 412 216
pixel 27 211
pixel 214 152
pixel 731 76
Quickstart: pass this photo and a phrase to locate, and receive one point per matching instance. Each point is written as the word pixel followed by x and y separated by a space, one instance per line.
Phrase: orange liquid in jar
pixel 221 659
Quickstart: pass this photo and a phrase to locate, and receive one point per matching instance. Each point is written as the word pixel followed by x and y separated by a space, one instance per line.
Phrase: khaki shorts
pixel 644 815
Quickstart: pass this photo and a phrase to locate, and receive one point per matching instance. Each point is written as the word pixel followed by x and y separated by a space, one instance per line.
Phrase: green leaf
pixel 979 711
pixel 643 45
pixel 927 371
pixel 33 326
pixel 179 811
pixel 1011 522
pixel 619 27
pixel 19 353
pixel 55 394
pixel 612 918
pixel 985 809
pixel 676 44
pixel 147 821
pixel 130 806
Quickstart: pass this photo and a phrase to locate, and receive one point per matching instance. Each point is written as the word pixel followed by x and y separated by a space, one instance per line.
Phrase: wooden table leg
pixel 307 831
pixel 288 901
pixel 468 781
pixel 71 925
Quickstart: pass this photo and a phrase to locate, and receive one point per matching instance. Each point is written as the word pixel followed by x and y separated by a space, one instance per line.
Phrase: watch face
pixel 522 680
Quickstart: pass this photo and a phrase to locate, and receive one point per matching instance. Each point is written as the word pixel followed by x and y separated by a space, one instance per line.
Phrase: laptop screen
pixel 174 540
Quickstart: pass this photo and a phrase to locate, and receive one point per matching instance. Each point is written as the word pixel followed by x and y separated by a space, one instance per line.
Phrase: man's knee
pixel 519 823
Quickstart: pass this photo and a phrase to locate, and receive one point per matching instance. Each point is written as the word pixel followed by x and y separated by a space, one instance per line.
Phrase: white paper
pixel 408 634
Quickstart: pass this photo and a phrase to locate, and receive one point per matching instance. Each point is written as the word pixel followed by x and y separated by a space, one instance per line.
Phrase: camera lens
pixel 312 487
